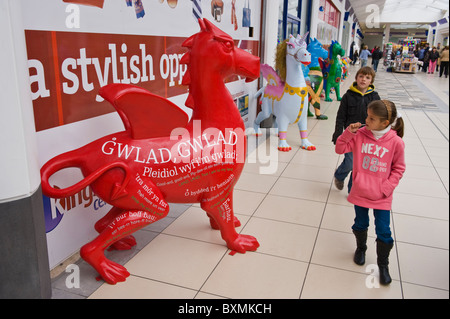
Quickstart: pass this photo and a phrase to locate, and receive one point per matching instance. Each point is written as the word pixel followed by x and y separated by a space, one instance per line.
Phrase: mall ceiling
pixel 407 17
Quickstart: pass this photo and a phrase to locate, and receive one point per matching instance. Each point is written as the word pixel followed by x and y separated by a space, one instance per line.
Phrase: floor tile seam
pixel 349 232
pixel 226 252
pixel 212 294
pixel 399 259
pixel 292 197
pixel 428 155
pixel 420 216
pixel 445 124
pixel 396 241
pixel 371 236
pixel 306 179
pixel 349 270
pixel 244 189
pixel 65 292
pixel 425 165
pixel 161 282
pixel 265 194
pixel 436 126
pixel 223 244
pixel 284 222
pixel 296 178
pixel 436 179
pixel 281 257
pixel 255 252
pixel 318 166
pixel 421 245
pixel 316 237
pixel 431 95
pixel 423 285
pixel 431 197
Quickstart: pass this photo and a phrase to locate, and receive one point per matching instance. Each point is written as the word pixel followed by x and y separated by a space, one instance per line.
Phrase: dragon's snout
pixel 247 65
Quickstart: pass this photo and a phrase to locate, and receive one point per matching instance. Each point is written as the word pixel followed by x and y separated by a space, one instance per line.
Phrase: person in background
pixel 444 62
pixel 376 56
pixel 355 57
pixel 416 51
pixel 421 56
pixel 433 56
pixel 439 49
pixel 376 175
pixel 426 57
pixel 364 56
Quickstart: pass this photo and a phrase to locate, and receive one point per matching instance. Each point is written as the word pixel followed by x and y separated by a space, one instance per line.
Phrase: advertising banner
pixel 76 47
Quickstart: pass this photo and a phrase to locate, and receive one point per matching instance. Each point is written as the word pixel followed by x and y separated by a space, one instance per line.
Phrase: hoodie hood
pixel 354 88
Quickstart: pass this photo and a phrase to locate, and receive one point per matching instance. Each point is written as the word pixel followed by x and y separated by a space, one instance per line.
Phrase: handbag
pixel 217 9
pixel 94 3
pixel 246 18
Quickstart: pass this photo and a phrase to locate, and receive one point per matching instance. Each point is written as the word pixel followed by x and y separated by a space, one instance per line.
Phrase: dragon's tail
pixel 73 159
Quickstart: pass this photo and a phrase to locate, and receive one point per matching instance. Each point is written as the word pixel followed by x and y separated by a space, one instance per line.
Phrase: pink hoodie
pixel 378 166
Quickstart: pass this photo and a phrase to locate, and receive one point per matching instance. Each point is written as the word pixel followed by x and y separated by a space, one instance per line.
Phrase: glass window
pixel 322 10
pixel 293 7
pixel 289 19
pixel 329 14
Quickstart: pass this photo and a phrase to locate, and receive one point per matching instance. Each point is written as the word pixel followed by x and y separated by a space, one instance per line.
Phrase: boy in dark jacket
pixel 376 57
pixel 353 109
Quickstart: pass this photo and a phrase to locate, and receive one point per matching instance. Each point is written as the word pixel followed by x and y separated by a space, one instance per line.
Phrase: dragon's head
pixel 212 50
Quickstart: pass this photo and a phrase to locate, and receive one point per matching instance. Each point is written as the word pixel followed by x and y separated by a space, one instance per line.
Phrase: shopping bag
pixel 94 3
pixel 246 18
pixel 217 9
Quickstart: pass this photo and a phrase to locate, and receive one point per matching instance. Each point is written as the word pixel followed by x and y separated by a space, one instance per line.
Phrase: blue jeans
pixel 344 169
pixel 363 62
pixel 382 222
pixel 375 64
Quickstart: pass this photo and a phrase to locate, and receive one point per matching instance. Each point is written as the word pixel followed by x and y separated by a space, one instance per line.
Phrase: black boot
pixel 383 250
pixel 361 247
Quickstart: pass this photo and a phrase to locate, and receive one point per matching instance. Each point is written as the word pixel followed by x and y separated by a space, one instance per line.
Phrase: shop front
pixel 69 49
pixel 72 48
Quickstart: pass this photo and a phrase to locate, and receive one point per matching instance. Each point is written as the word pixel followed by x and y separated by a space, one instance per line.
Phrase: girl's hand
pixel 354 127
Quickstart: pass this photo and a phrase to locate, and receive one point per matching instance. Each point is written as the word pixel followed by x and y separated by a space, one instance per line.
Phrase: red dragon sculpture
pixel 162 156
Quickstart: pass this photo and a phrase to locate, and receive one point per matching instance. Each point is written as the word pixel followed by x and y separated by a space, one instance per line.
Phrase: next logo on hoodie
pixel 373 149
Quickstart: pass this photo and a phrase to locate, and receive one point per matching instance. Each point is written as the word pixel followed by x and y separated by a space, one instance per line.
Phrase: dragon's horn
pixel 202 25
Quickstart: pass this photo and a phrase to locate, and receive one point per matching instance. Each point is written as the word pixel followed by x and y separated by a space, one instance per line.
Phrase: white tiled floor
pixel 303 224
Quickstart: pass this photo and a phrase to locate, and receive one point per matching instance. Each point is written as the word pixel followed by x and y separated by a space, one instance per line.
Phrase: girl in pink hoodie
pixel 378 165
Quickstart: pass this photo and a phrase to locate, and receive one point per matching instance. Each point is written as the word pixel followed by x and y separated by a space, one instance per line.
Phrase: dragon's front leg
pixel 223 217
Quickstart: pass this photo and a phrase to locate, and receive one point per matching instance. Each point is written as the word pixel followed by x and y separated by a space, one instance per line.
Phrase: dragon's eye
pixel 228 45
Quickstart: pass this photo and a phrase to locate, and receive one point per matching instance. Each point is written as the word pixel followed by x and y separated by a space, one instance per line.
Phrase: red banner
pixel 67 70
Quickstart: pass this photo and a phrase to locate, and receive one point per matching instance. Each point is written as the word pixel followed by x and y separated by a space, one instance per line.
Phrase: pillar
pixel 387 33
pixel 24 265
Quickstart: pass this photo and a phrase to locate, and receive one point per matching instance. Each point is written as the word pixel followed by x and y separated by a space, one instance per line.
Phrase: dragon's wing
pixel 144 114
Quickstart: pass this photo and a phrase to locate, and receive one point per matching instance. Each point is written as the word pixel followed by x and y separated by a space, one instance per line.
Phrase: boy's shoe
pixel 339 184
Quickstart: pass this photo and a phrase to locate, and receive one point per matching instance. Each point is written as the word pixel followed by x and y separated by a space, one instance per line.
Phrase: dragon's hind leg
pixel 119 228
pixel 123 244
